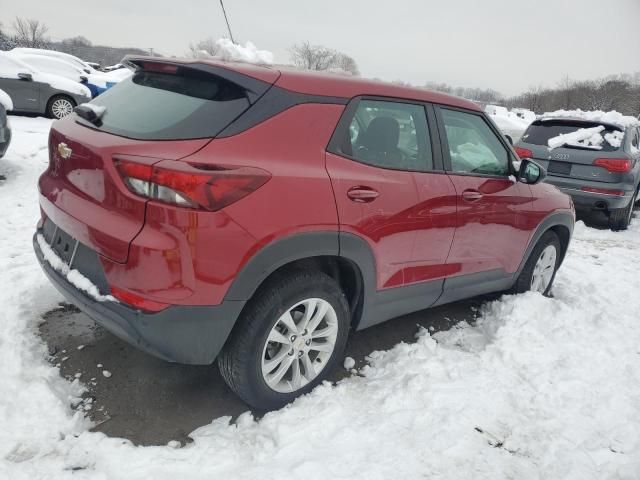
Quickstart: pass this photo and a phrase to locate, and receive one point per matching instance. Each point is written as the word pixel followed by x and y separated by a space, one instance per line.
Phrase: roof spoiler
pixel 254 87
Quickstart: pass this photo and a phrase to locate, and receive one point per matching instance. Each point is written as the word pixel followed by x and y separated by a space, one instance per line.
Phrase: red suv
pixel 204 210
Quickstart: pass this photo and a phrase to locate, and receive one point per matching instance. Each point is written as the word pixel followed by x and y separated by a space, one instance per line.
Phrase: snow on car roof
pixel 613 117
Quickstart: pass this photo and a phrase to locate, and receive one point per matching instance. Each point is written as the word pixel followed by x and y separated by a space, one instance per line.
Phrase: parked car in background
pixel 32 91
pixel 86 68
pixel 509 123
pixel 594 157
pixel 5 129
pixel 95 82
pixel 258 215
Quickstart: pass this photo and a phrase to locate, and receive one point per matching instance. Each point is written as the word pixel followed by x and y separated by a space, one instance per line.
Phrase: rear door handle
pixel 471 195
pixel 362 194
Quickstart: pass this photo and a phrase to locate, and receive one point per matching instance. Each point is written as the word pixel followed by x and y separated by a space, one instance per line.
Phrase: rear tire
pixel 60 106
pixel 262 346
pixel 539 263
pixel 620 218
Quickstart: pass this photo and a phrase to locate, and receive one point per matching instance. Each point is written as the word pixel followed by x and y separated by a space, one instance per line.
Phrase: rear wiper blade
pixel 91 113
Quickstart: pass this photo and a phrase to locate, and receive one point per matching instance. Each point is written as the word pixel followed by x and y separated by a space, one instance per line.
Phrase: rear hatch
pixel 165 111
pixel 574 161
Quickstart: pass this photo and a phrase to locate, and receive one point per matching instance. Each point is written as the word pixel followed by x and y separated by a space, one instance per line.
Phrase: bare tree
pixel 30 33
pixel 347 64
pixel 318 57
pixel 204 48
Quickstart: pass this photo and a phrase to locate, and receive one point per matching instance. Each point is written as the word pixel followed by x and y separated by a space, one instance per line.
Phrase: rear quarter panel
pixel 197 255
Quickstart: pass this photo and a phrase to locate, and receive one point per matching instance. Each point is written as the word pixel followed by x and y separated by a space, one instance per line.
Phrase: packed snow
pixel 612 117
pixel 117 75
pixel 5 101
pixel 227 50
pixel 539 388
pixel 614 138
pixel 73 276
pixel 582 137
pixel 509 122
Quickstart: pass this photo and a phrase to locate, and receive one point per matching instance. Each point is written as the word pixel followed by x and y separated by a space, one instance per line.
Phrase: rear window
pixel 540 133
pixel 184 105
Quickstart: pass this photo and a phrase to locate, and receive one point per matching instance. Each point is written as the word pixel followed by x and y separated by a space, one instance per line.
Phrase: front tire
pixel 540 270
pixel 60 106
pixel 289 338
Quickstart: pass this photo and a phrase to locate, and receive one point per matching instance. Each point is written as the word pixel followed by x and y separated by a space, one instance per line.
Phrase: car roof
pixel 322 83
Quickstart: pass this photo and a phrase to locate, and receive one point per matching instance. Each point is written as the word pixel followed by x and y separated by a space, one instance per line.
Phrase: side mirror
pixel 25 76
pixel 83 79
pixel 530 172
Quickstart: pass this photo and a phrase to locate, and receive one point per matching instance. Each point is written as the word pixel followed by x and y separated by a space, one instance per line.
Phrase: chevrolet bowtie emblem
pixel 64 151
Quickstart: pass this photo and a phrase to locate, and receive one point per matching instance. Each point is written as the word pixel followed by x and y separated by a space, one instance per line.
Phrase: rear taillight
pixel 523 152
pixel 136 301
pixel 615 165
pixel 208 187
pixel 603 191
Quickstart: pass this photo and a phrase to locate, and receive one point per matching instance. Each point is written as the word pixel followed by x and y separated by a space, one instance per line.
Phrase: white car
pixel 96 82
pixel 61 55
pixel 34 91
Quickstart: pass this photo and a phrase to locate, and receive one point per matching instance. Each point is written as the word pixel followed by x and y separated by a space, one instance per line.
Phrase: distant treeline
pixel 615 92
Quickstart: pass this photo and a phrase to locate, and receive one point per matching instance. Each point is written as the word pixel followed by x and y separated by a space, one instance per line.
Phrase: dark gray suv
pixel 601 172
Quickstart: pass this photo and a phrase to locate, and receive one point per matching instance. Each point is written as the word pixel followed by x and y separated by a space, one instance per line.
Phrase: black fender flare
pixel 562 219
pixel 277 254
pixel 308 245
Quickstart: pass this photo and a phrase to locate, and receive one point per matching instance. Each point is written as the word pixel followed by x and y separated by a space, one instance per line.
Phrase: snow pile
pixel 230 51
pixel 614 138
pixel 525 114
pixel 540 388
pixel 583 137
pixel 613 117
pixel 5 101
pixel 61 83
pixel 508 122
pixel 117 75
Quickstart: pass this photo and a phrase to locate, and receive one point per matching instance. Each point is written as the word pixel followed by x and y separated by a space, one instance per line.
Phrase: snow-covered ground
pixel 539 389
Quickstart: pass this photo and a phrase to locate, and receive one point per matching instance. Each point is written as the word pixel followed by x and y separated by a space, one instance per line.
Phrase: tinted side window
pixel 473 146
pixel 389 135
pixel 171 106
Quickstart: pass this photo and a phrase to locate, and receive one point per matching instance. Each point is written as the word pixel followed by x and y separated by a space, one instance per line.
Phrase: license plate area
pixel 60 242
pixel 561 168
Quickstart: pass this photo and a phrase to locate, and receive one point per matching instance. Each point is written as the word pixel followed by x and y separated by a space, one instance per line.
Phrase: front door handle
pixel 362 194
pixel 471 195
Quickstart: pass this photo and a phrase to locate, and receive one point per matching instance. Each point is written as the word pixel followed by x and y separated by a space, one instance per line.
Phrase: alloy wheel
pixel 299 345
pixel 61 108
pixel 543 271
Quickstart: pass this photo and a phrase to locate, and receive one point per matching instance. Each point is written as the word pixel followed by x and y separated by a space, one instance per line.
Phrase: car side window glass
pixel 473 146
pixel 389 135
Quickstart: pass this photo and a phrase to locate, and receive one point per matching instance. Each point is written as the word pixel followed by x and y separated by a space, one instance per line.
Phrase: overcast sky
pixel 508 45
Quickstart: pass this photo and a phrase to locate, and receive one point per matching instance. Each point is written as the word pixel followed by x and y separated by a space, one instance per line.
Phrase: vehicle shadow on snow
pixel 151 402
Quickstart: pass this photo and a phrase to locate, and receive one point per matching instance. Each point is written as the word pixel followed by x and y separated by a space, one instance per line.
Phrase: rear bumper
pixel 183 334
pixel 589 200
